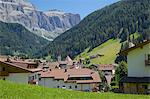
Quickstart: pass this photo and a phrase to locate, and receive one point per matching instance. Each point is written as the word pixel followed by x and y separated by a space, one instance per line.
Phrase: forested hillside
pixel 115 21
pixel 15 40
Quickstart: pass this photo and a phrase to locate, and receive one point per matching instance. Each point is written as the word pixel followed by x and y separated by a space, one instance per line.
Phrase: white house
pixel 74 79
pixel 138 59
pixel 16 73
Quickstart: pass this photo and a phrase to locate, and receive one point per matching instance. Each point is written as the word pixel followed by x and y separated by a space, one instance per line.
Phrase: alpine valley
pixel 103 32
pixel 24 29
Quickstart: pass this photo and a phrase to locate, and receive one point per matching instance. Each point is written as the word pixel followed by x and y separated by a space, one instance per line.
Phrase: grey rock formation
pixel 48 24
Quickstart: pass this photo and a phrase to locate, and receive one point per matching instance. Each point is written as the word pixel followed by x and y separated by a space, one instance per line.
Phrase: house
pixel 138 78
pixel 74 79
pixel 108 70
pixel 17 72
pixel 68 63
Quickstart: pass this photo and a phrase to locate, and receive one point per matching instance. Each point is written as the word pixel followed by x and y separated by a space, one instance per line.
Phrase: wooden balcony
pixel 4 73
pixel 147 62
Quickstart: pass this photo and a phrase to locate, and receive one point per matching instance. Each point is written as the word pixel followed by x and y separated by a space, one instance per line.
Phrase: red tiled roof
pixel 55 73
pixel 64 74
pixel 106 67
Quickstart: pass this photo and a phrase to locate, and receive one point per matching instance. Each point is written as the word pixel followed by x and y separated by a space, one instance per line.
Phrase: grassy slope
pixel 9 90
pixel 109 49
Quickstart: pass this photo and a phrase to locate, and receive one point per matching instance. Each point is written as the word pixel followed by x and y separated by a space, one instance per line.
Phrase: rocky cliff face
pixel 46 24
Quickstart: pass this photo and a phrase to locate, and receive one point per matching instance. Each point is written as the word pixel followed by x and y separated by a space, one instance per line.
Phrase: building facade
pixel 73 79
pixel 138 79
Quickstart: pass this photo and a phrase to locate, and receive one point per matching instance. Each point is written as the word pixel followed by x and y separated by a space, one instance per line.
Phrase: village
pixel 73 75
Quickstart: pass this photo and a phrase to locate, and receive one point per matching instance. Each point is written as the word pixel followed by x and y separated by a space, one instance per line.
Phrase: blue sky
pixel 82 7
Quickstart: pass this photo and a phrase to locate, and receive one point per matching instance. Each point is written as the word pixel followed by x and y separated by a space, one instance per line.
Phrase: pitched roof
pixel 13 68
pixel 106 67
pixel 68 58
pixel 54 73
pixel 23 64
pixel 125 52
pixel 51 65
pixel 66 73
pixel 19 66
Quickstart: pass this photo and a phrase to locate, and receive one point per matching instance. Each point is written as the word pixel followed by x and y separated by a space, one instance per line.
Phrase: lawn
pixel 109 49
pixel 9 90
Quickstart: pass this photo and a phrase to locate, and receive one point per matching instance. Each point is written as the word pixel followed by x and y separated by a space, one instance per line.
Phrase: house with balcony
pixel 138 78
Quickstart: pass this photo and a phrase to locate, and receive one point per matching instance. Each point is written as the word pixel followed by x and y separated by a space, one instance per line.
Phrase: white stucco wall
pixel 136 62
pixel 18 77
pixel 49 82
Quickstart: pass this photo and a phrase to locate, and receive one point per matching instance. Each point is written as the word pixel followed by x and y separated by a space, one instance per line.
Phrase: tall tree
pixel 121 70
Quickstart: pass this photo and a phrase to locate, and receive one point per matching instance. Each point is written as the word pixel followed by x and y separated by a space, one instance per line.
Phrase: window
pixel 145 86
pixel 57 86
pixel 63 85
pixel 3 78
pixel 80 78
pixel 147 59
pixel 39 79
pixel 148 56
pixel 75 86
pixel 70 87
pixel 33 77
pixel 3 69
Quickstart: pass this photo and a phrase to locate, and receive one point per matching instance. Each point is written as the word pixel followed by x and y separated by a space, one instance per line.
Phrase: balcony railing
pixel 4 73
pixel 147 62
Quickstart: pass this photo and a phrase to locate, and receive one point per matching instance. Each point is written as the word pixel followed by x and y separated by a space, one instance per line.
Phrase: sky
pixel 82 7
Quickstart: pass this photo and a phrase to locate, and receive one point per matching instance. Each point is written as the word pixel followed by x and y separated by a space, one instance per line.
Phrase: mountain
pixel 15 40
pixel 116 21
pixel 48 24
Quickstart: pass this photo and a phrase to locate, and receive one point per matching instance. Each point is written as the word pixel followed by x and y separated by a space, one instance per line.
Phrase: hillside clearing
pixel 109 49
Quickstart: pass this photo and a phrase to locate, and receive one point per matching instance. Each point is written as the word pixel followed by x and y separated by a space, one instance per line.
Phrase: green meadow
pixel 109 49
pixel 9 90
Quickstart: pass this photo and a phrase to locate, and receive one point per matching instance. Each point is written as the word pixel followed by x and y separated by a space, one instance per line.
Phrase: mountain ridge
pixel 111 22
pixel 25 13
